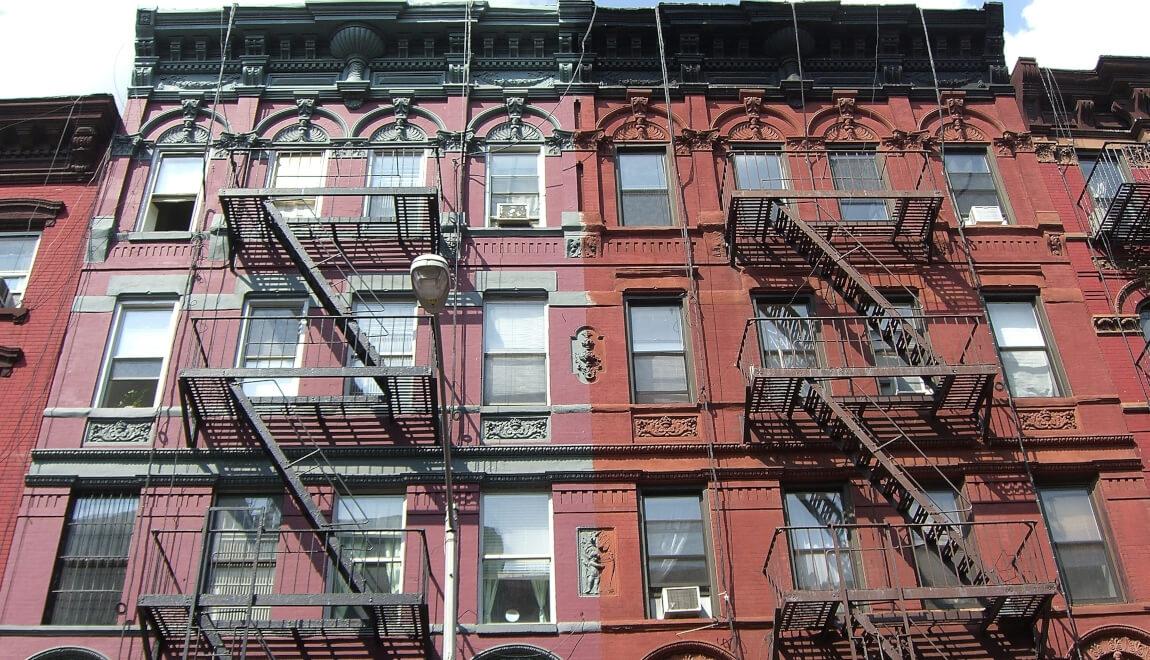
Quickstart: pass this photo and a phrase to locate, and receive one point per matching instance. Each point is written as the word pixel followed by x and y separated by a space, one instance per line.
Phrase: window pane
pixel 788 340
pixel 1028 373
pixel 656 328
pixel 392 169
pixel 1015 324
pixel 855 172
pixel 514 327
pixel 143 332
pixel 272 332
pixel 675 541
pixel 960 163
pixel 1070 515
pixel 16 253
pixel 516 524
pixel 515 379
pixel 516 591
pixel 642 171
pixel 660 378
pixel 90 569
pixel 298 170
pixel 515 164
pixel 759 172
pixel 1079 544
pixel 646 208
pixel 179 175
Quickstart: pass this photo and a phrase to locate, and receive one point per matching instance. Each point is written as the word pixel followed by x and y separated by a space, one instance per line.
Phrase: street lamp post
pixel 431 281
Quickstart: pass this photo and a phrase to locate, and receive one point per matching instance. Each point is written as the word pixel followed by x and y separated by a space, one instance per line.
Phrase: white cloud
pixel 1071 35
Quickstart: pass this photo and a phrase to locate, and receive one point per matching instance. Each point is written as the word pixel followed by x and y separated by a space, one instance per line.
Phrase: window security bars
pixel 88 584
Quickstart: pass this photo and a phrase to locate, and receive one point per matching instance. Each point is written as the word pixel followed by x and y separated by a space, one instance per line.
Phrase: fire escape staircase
pixel 1126 220
pixel 847 430
pixel 246 210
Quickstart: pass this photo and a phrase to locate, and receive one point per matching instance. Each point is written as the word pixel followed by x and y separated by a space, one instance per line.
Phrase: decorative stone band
pixel 516 429
pixel 117 431
pixel 667 426
pixel 1117 324
pixel 1048 419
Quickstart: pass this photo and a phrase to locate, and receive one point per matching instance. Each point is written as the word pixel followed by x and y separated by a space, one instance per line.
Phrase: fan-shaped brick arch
pixel 753 121
pixel 847 120
pixel 516 652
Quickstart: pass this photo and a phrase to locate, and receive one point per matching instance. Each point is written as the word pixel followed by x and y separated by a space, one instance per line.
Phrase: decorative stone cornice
pixel 1052 152
pixel 28 213
pixel 54 140
pixel 1010 143
pixel 1117 324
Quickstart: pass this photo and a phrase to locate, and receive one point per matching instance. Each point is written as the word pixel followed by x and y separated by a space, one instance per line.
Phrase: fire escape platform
pixel 362 241
pixel 960 387
pixel 753 220
pixel 1127 218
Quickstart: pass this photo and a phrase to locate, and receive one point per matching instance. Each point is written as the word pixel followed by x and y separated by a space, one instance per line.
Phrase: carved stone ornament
pixel 1052 152
pixel 955 127
pixel 906 140
pixel 401 108
pixel 513 131
pixel 639 127
pixel 558 142
pixel 808 143
pixel 1056 243
pixel 183 135
pixel 691 140
pixel 308 133
pixel 1115 643
pixel 1117 324
pixel 118 431
pixel 396 132
pixel 583 246
pixel 1011 143
pixel 592 140
pixel 497 429
pixel 1048 419
pixel 587 354
pixel 9 356
pixel 667 426
pixel 847 127
pixel 597 562
pixel 754 128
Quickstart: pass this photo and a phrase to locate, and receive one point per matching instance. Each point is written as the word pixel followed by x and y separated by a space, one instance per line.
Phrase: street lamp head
pixel 431 280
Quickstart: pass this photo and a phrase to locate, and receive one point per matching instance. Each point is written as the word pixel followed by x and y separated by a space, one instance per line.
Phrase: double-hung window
pixel 514 184
pixel 389 324
pixel 675 549
pixel 88 583
pixel 17 251
pixel 139 342
pixel 175 189
pixel 244 532
pixel 644 198
pixel 371 541
pixel 858 171
pixel 760 170
pixel 658 352
pixel 516 575
pixel 1021 342
pixel 1079 546
pixel 514 352
pixel 298 169
pixel 1103 174
pixel 272 339
pixel 392 168
pixel 821 554
pixel 973 185
pixel 934 569
pixel 788 335
pixel 885 354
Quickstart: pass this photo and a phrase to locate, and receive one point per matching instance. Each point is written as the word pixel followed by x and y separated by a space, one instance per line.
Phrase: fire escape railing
pixel 1116 196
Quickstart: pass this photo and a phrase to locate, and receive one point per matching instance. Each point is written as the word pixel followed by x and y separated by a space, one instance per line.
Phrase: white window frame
pixel 546 346
pixel 146 216
pixel 853 559
pixel 273 173
pixel 686 351
pixel 1058 383
pixel 655 605
pixel 776 152
pixel 300 304
pixel 18 296
pixel 350 526
pixel 419 152
pixel 223 613
pixel 992 172
pixel 483 557
pixel 496 150
pixel 355 386
pixel 110 349
pixel 621 193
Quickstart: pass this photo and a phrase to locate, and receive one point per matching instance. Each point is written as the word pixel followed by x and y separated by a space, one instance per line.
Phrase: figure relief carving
pixel 586 354
pixel 955 127
pixel 1052 152
pixel 640 127
pixel 1011 143
pixel 597 562
pixel 847 127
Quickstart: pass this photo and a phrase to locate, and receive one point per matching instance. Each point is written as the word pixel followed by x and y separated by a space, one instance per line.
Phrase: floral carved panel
pixel 667 426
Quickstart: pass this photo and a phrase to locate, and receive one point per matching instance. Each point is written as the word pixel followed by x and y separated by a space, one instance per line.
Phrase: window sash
pixel 272 339
pixel 644 190
pixel 516 562
pixel 1079 545
pixel 298 169
pixel 140 342
pixel 971 181
pixel 759 171
pixel 659 370
pixel 92 561
pixel 514 178
pixel 675 542
pixel 17 253
pixel 1021 343
pixel 858 171
pixel 390 326
pixel 179 176
pixel 392 168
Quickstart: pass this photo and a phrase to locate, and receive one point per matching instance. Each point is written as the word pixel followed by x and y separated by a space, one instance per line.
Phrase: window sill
pixel 512 629
pixel 158 236
pixel 518 230
pixel 16 315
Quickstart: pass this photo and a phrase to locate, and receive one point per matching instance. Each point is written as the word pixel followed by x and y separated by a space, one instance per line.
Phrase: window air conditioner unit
pixel 986 215
pixel 6 297
pixel 511 214
pixel 681 601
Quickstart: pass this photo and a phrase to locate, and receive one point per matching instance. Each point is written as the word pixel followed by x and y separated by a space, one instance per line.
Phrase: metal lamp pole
pixel 431 281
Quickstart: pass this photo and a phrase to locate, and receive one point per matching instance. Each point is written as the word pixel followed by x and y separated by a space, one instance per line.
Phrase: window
pixel 515 583
pixel 1022 345
pixel 1103 175
pixel 759 171
pixel 789 338
pixel 272 339
pixel 644 198
pixel 392 168
pixel 513 181
pixel 88 584
pixel 885 355
pixel 1144 320
pixel 298 169
pixel 17 251
pixel 658 353
pixel 389 324
pixel 858 171
pixel 176 181
pixel 140 338
pixel 1083 559
pixel 242 560
pixel 933 569
pixel 675 548
pixel 972 183
pixel 821 557
pixel 373 545
pixel 514 353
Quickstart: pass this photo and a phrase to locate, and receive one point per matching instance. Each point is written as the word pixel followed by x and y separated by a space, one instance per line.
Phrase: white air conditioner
pixel 7 299
pixel 511 214
pixel 681 601
pixel 985 215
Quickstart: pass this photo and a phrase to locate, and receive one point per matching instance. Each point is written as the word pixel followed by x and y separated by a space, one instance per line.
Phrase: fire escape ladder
pixel 285 468
pixel 882 316
pixel 1128 217
pixel 891 647
pixel 866 451
pixel 211 634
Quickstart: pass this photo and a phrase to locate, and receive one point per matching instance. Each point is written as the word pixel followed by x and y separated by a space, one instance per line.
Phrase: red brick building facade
pixel 769 336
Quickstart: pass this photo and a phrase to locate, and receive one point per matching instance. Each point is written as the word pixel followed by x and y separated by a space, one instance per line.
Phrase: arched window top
pixel 70 653
pixel 516 652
